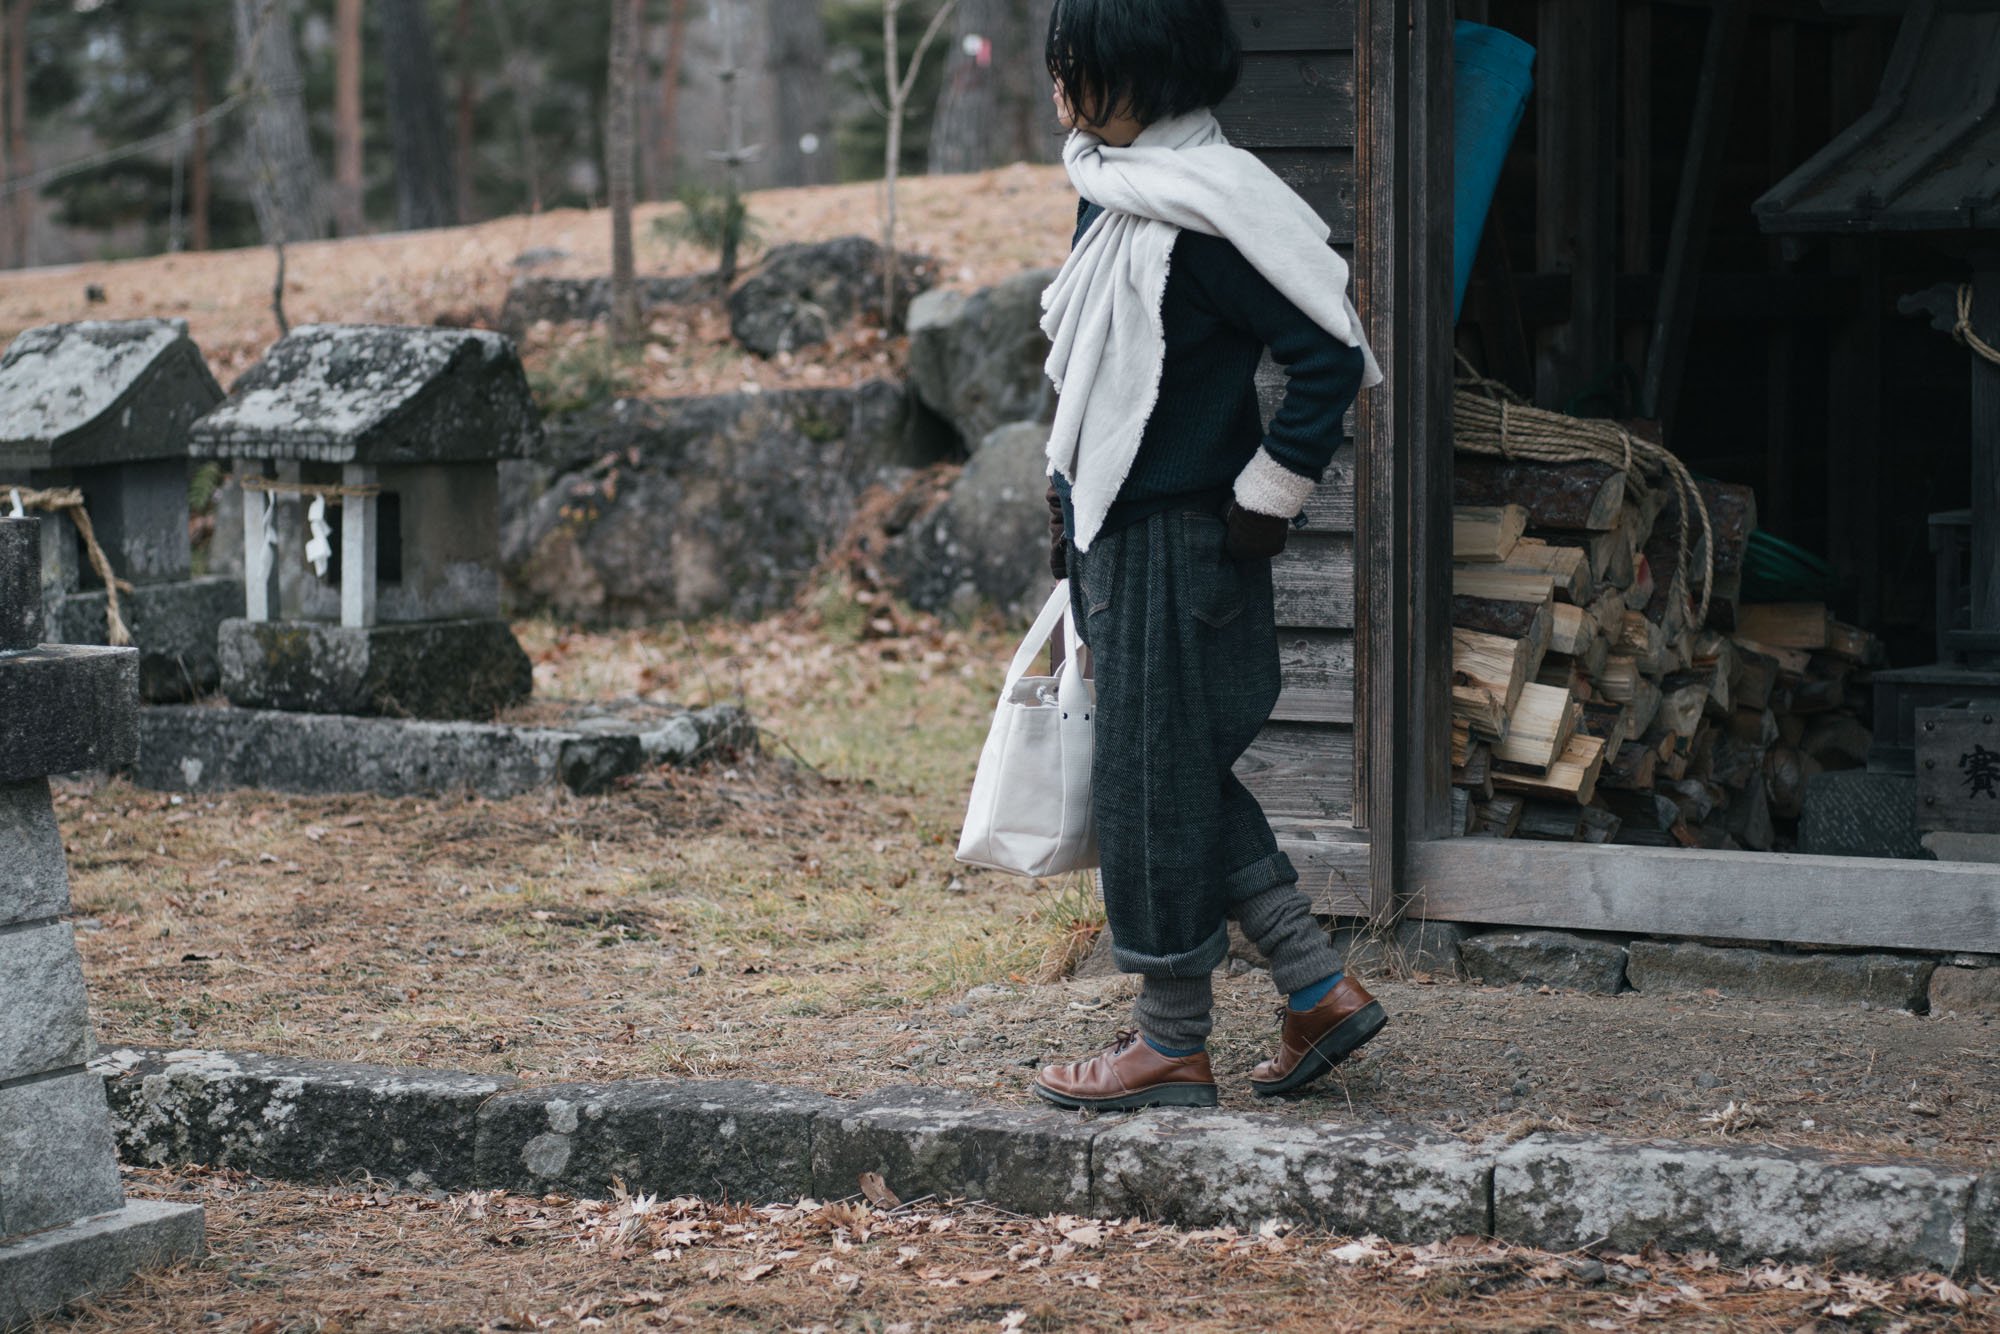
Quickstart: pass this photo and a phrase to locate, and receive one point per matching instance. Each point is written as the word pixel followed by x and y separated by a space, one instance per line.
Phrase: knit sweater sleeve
pixel 1323 375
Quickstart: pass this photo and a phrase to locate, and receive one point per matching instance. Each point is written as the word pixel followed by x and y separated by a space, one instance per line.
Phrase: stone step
pixel 47 1271
pixel 67 707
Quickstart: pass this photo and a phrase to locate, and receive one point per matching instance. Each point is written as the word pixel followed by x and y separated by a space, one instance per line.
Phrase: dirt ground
pixel 285 1259
pixel 980 227
pixel 798 917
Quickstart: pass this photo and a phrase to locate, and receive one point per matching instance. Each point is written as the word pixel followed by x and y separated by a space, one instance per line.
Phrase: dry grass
pixel 287 1259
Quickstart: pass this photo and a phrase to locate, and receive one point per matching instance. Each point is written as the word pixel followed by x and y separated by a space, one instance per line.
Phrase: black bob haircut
pixel 1163 57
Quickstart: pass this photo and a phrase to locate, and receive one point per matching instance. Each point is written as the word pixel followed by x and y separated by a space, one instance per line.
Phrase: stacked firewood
pixel 1587 704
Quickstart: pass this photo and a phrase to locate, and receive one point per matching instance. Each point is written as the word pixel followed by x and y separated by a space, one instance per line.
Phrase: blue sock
pixel 1307 997
pixel 1171 1052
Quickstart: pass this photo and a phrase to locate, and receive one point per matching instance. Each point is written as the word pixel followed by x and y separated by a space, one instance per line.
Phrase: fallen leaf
pixel 876 1191
pixel 755 1272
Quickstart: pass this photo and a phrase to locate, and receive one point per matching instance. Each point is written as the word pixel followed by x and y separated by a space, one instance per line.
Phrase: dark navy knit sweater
pixel 1219 314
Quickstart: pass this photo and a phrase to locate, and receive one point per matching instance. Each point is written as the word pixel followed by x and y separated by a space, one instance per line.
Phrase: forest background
pixel 137 127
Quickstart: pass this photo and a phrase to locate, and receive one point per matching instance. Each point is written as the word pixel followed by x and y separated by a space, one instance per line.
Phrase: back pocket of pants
pixel 1214 585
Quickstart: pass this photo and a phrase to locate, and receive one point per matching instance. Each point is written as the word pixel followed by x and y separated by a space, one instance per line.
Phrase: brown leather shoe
pixel 1316 1040
pixel 1128 1074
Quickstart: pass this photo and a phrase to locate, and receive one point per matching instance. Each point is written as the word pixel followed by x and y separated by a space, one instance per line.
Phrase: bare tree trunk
pixel 798 74
pixel 618 168
pixel 425 195
pixel 468 105
pixel 198 181
pixel 667 144
pixel 19 154
pixel 347 208
pixel 9 256
pixel 976 125
pixel 284 178
pixel 1042 134
pixel 897 85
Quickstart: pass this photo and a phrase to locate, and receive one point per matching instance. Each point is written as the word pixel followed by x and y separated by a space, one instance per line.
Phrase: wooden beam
pixel 1576 114
pixel 1861 902
pixel 1701 170
pixel 1292 25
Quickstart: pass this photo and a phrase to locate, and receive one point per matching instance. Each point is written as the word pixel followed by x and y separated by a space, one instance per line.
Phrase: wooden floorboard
pixel 1849 901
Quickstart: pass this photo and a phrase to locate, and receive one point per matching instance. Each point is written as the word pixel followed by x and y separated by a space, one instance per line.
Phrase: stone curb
pixel 733 1139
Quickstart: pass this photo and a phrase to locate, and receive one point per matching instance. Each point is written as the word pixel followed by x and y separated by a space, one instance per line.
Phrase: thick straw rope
pixel 332 493
pixel 1962 330
pixel 68 500
pixel 1489 418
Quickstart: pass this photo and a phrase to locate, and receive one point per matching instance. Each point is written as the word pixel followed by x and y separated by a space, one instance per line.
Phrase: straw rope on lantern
pixel 1961 329
pixel 69 500
pixel 1490 418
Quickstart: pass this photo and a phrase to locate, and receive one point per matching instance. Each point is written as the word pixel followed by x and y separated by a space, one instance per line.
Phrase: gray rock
pixel 42 1273
pixel 1201 1168
pixel 56 1164
pixel 932 1142
pixel 186 748
pixel 1744 1204
pixel 45 1023
pixel 174 626
pixel 381 394
pixel 987 543
pixel 70 394
pixel 67 707
pixel 801 292
pixel 719 1138
pixel 573 300
pixel 422 669
pixel 34 878
pixel 21 621
pixel 1886 981
pixel 976 358
pixel 1982 1230
pixel 685 507
pixel 300 1120
pixel 1965 990
pixel 1411 947
pixel 1546 958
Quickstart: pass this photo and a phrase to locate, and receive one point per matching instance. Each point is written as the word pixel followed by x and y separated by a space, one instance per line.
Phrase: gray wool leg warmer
pixel 1279 922
pixel 1176 1012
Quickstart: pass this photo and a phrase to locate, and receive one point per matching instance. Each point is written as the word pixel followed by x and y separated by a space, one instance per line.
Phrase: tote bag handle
pixel 1056 609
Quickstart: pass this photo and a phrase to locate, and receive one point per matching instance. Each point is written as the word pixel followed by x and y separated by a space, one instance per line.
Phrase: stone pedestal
pixel 65 1227
pixel 104 406
pixel 375 449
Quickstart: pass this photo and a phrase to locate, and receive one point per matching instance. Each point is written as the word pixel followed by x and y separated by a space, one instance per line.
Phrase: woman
pixel 1168 500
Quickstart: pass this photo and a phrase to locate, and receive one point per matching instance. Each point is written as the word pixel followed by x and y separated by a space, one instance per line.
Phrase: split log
pixel 1611 723
pixel 1498 818
pixel 1795 625
pixel 1644 707
pixel 1531 621
pixel 1551 822
pixel 1569 495
pixel 1855 645
pixel 1509 586
pixel 1791 663
pixel 1487 675
pixel 1573 777
pixel 1571 629
pixel 1461 812
pixel 1486 533
pixel 1599 825
pixel 1538 728
pixel 1619 681
pixel 1568 566
pixel 1631 769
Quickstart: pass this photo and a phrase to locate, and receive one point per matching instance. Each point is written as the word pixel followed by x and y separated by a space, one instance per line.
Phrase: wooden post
pixel 1403 457
pixel 1576 112
pixel 1986 466
pixel 260 564
pixel 358 519
pixel 1701 172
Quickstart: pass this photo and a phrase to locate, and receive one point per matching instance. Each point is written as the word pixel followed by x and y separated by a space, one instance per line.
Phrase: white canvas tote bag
pixel 1030 807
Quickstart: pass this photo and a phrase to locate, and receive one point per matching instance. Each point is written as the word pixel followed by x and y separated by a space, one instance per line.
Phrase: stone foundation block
pixel 1204 1168
pixel 44 1017
pixel 1965 990
pixel 173 626
pixel 425 669
pixel 56 1163
pixel 1546 959
pixel 717 1138
pixel 34 877
pixel 45 1272
pixel 300 1120
pixel 1982 1233
pixel 65 708
pixel 1744 1204
pixel 20 583
pixel 1884 981
pixel 934 1142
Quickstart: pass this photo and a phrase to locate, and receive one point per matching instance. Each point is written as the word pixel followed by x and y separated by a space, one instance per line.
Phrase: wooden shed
pixel 1653 125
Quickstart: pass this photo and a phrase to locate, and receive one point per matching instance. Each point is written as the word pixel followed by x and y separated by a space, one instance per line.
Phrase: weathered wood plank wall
pixel 1295 108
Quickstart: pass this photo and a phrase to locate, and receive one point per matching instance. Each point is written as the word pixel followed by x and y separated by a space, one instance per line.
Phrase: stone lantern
pixel 66 1228
pixel 103 406
pixel 368 457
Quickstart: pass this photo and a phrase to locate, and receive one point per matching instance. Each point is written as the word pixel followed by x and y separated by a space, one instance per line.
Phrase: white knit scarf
pixel 1102 310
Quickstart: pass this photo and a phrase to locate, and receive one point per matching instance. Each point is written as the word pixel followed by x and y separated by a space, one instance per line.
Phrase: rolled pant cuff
pixel 1200 961
pixel 1266 873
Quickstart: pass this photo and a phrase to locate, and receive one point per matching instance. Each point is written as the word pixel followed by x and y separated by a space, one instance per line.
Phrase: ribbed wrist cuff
pixel 1269 487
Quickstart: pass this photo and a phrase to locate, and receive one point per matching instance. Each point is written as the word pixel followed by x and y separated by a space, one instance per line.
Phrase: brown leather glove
pixel 1252 534
pixel 1058 546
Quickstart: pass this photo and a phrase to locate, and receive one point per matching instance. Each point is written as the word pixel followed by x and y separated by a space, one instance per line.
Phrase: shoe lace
pixel 1125 1038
